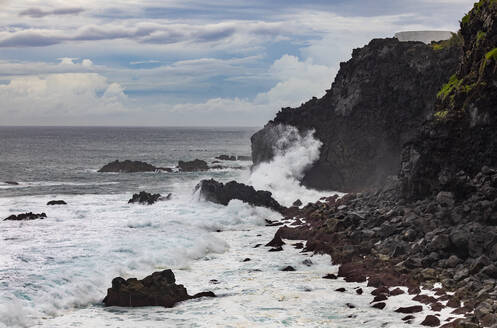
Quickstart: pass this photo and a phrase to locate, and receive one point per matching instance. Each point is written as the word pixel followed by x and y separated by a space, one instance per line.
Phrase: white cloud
pixel 60 96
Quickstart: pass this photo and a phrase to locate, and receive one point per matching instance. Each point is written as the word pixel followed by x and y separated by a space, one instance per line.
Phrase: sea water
pixel 55 272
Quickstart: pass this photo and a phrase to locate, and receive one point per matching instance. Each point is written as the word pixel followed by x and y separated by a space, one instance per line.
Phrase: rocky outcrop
pixel 377 102
pixel 158 289
pixel 147 198
pixel 26 217
pixel 461 136
pixel 193 166
pixel 56 202
pixel 128 166
pixel 220 193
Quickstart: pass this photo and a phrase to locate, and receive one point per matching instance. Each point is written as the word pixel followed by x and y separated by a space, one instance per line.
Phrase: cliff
pixel 378 100
pixel 461 136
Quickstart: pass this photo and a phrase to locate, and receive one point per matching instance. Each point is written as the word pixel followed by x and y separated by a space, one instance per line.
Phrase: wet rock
pixel 276 241
pixel 379 306
pixel 397 291
pixel 203 294
pixel 297 203
pixel 127 166
pixel 288 268
pixel 276 249
pixel 408 317
pixel 258 245
pixel 193 166
pixel 330 276
pixel 226 158
pixel 26 217
pixel 410 309
pixel 56 202
pixel 220 193
pixel 298 245
pixel 13 183
pixel 158 289
pixel 350 305
pixel 307 262
pixel 431 321
pixel 379 298
pixel 145 198
pixel 340 290
pixel 246 260
pixel 359 291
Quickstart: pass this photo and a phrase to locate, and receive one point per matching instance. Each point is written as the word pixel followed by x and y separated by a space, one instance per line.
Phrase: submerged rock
pixel 56 202
pixel 26 217
pixel 226 158
pixel 220 193
pixel 193 166
pixel 128 166
pixel 146 198
pixel 158 289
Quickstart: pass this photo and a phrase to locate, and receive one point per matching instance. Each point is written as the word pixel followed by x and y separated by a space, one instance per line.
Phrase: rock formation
pixel 26 217
pixel 220 193
pixel 128 166
pixel 145 198
pixel 158 289
pixel 461 136
pixel 377 102
pixel 193 166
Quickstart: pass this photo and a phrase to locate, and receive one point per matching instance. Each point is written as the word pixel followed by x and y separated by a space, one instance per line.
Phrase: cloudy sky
pixel 186 62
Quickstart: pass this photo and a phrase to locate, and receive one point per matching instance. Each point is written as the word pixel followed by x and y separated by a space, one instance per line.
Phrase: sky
pixel 187 62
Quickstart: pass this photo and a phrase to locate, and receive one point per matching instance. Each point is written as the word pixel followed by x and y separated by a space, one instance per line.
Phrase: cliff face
pixel 461 136
pixel 378 100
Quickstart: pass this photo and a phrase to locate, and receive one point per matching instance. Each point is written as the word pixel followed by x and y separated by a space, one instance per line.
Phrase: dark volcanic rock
pixel 128 166
pixel 288 268
pixel 460 138
pixel 378 100
pixel 26 217
pixel 56 202
pixel 380 305
pixel 220 193
pixel 158 289
pixel 226 158
pixel 330 276
pixel 144 198
pixel 193 166
pixel 410 309
pixel 14 183
pixel 431 321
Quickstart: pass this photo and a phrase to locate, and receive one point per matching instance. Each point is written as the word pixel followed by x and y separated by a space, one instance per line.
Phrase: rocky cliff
pixel 461 136
pixel 378 100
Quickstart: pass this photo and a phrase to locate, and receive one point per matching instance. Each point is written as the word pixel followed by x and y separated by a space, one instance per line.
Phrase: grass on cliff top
pixel 455 41
pixel 476 9
pixel 448 87
pixel 491 55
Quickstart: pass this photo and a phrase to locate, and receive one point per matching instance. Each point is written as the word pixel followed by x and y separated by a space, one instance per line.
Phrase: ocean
pixel 55 272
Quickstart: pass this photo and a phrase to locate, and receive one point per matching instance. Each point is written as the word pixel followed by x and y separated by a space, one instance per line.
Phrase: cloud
pixel 60 97
pixel 38 13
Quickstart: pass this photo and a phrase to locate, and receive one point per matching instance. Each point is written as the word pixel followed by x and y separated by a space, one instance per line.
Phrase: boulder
pixel 193 166
pixel 56 202
pixel 431 321
pixel 410 309
pixel 145 198
pixel 158 289
pixel 220 193
pixel 128 166
pixel 226 158
pixel 26 217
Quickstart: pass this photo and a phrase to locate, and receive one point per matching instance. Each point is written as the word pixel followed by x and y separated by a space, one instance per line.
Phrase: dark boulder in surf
pixel 56 202
pixel 13 183
pixel 146 198
pixel 127 166
pixel 193 166
pixel 158 289
pixel 220 193
pixel 26 217
pixel 226 158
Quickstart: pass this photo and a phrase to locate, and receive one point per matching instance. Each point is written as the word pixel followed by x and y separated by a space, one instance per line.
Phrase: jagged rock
pixel 56 202
pixel 128 166
pixel 378 100
pixel 26 217
pixel 220 193
pixel 158 289
pixel 147 198
pixel 276 241
pixel 226 158
pixel 431 321
pixel 297 203
pixel 193 166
